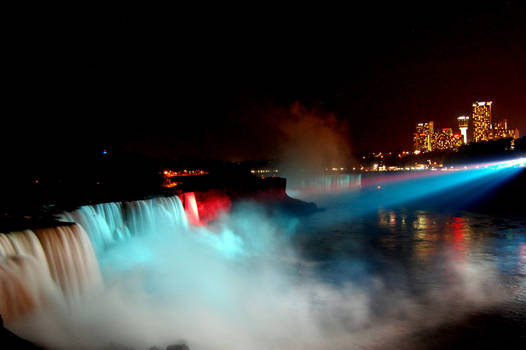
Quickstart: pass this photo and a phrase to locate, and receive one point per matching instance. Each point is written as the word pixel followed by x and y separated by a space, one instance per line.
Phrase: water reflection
pixel 459 237
pixel 421 222
pixel 429 232
pixel 415 242
pixel 422 237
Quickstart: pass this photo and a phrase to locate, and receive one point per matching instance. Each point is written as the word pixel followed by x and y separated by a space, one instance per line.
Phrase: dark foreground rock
pixel 9 340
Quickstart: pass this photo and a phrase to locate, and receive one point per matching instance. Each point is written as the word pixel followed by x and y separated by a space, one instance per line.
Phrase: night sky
pixel 213 82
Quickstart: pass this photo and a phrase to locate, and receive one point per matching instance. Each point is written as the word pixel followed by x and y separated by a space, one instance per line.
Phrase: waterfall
pixel 190 205
pixel 23 243
pixel 71 259
pixel 324 183
pixel 109 223
pixel 36 265
pixel 104 223
pixel 25 286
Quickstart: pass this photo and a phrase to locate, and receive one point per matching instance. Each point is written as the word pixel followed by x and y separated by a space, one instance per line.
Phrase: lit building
pixel 447 131
pixel 501 125
pixel 445 139
pixel 170 176
pixel 476 128
pixel 500 131
pixel 481 121
pixel 424 137
pixel 463 124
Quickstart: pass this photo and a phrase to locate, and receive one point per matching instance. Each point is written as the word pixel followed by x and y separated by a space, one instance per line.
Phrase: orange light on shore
pixel 171 184
pixel 172 173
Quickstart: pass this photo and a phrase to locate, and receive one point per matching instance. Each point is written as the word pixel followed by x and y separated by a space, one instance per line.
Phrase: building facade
pixel 500 130
pixel 481 120
pixel 445 139
pixel 423 138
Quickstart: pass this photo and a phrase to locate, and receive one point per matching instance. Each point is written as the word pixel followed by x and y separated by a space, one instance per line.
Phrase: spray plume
pixel 311 141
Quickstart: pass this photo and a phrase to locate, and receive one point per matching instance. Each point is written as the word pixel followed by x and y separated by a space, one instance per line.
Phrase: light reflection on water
pixel 418 247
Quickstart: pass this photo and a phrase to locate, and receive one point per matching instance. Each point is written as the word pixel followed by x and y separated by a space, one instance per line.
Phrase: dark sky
pixel 204 81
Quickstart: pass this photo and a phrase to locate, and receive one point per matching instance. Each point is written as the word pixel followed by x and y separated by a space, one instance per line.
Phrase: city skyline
pixel 480 126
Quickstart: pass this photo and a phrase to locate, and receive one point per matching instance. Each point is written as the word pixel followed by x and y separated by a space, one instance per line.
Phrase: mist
pixel 242 284
pixel 312 141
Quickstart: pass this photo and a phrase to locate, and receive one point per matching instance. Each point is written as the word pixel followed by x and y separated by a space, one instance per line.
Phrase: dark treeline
pixel 480 152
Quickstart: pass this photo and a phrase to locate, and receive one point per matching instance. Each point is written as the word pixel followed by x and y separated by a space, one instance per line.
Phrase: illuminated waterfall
pixel 155 215
pixel 23 243
pixel 36 265
pixel 104 222
pixel 109 223
pixel 190 205
pixel 70 257
pixel 25 286
pixel 323 184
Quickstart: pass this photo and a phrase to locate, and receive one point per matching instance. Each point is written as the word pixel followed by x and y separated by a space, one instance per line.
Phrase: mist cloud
pixel 312 141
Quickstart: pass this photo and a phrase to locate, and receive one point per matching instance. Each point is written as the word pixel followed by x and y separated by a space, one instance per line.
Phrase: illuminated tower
pixel 463 123
pixel 423 137
pixel 481 121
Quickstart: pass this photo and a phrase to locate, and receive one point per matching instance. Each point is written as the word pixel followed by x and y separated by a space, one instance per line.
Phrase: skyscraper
pixel 463 124
pixel 424 137
pixel 481 121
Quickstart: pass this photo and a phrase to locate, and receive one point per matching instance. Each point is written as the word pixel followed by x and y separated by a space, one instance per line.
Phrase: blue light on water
pixel 464 184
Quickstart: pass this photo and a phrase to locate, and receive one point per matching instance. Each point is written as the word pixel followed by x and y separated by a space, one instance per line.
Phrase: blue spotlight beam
pixel 435 186
pixel 450 188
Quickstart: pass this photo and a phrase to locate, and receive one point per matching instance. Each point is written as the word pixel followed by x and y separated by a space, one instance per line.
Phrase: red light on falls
pixel 190 207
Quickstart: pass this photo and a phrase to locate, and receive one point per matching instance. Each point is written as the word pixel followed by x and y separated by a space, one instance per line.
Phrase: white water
pixel 110 223
pixel 43 265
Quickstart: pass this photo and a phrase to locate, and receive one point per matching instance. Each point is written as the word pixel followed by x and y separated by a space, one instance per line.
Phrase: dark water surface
pixel 463 273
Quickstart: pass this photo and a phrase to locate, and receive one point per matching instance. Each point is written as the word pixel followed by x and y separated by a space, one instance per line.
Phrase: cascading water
pixel 71 259
pixel 23 243
pixel 25 286
pixel 154 215
pixel 104 222
pixel 326 183
pixel 110 223
pixel 36 265
pixel 190 205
